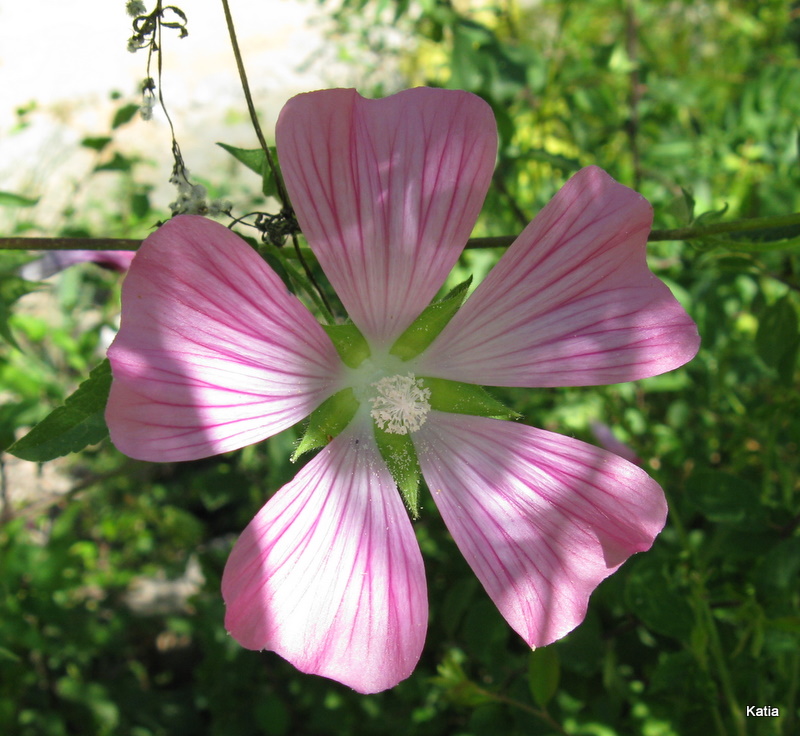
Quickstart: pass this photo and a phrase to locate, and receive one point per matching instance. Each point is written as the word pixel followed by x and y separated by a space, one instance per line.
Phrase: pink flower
pixel 54 261
pixel 605 436
pixel 215 354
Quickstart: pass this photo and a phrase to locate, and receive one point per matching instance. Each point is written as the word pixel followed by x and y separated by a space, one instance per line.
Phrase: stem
pixel 282 195
pixel 6 514
pixel 723 228
pixel 541 714
pixel 20 243
pixel 314 293
pixel 718 656
pixel 635 92
pixel 497 241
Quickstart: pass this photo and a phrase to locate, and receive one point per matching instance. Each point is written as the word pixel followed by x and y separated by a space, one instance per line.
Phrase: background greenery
pixel 694 103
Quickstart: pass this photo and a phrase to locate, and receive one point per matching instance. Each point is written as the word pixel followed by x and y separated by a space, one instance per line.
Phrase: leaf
pixel 726 499
pixel 96 143
pixel 253 158
pixel 11 289
pixel 117 163
pixel 9 199
pixel 649 596
pixel 73 426
pixel 544 671
pixel 777 338
pixel 256 160
pixel 8 655
pixel 124 115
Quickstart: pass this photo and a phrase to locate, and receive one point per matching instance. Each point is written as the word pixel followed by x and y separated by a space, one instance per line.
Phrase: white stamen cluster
pixel 401 404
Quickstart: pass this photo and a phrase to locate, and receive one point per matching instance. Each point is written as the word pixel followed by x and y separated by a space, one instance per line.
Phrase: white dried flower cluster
pixel 192 199
pixel 135 8
pixel 148 105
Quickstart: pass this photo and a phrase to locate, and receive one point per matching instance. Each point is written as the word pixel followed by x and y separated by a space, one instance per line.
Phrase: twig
pixel 692 232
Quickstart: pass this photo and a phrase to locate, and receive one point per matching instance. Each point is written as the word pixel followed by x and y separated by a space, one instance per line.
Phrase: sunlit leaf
pixel 73 426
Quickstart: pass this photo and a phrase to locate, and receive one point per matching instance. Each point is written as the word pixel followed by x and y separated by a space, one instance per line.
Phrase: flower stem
pixel 282 195
pixel 698 232
pixel 500 241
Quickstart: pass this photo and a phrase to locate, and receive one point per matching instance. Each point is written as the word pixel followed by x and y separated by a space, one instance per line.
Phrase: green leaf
pixel 424 330
pixel 96 143
pixel 327 421
pixel 649 596
pixel 9 199
pixel 256 160
pixel 8 655
pixel 398 452
pixel 117 163
pixel 726 499
pixel 124 115
pixel 253 158
pixel 777 338
pixel 11 289
pixel 544 671
pixel 351 345
pixel 70 428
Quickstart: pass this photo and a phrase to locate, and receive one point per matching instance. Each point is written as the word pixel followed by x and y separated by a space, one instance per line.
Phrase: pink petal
pixel 386 192
pixel 572 302
pixel 541 518
pixel 329 574
pixel 213 353
pixel 54 261
pixel 607 439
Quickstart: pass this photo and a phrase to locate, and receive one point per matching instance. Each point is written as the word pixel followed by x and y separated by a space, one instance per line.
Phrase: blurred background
pixel 110 611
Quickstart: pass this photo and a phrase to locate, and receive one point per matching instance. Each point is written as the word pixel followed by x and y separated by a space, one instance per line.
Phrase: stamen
pixel 401 405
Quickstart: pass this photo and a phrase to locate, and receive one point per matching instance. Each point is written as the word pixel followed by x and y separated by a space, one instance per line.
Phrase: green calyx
pixel 327 421
pixel 426 328
pixel 400 457
pixel 466 398
pixel 351 345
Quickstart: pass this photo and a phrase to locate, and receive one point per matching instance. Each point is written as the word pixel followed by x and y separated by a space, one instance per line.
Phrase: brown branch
pixel 69 244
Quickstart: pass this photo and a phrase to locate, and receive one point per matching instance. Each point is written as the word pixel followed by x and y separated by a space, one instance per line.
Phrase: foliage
pixel 695 104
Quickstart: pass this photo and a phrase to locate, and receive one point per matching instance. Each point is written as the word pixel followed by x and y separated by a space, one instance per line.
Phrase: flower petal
pixel 329 574
pixel 540 518
pixel 213 353
pixel 386 192
pixel 572 302
pixel 54 261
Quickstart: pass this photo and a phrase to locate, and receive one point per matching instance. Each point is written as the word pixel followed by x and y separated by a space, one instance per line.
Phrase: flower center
pixel 401 404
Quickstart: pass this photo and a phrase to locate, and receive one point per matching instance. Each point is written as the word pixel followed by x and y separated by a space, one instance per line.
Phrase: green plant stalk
pixel 22 243
pixel 536 712
pixel 791 695
pixel 314 294
pixel 718 656
pixel 499 241
pixel 282 195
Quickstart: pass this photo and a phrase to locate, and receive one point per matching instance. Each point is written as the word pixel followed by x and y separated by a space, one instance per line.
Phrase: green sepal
pixel 398 452
pixel 353 349
pixel 466 398
pixel 72 427
pixel 327 421
pixel 425 328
